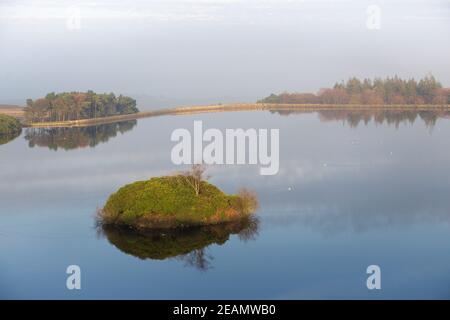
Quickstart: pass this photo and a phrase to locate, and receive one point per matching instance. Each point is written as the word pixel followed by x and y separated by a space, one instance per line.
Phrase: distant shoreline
pixel 18 112
pixel 12 110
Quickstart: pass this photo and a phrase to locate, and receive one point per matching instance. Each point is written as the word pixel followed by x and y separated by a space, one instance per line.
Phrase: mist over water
pixel 168 53
pixel 353 189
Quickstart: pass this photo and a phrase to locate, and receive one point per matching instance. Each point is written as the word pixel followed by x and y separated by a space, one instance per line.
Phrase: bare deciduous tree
pixel 249 202
pixel 199 259
pixel 195 176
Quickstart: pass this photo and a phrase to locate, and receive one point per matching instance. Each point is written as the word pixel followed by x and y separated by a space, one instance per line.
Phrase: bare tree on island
pixel 195 176
pixel 248 200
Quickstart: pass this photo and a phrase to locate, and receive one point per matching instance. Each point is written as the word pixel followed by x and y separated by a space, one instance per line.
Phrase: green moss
pixel 10 128
pixel 167 202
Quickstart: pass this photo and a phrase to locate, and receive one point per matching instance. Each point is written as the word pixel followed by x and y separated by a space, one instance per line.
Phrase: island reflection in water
pixel 379 116
pixel 187 245
pixel 76 137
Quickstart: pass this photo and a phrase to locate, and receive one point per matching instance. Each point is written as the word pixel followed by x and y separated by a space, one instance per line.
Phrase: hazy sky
pixel 215 49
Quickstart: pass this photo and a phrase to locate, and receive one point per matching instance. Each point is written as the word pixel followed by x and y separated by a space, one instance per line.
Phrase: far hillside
pixel 11 110
pixel 78 105
pixel 9 106
pixel 389 91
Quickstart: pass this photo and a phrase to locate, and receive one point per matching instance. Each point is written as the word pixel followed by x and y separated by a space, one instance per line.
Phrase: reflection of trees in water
pixel 5 138
pixel 392 117
pixel 188 245
pixel 75 137
pixel 197 258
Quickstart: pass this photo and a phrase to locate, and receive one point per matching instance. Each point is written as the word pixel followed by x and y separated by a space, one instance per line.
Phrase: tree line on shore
pixel 78 105
pixel 388 91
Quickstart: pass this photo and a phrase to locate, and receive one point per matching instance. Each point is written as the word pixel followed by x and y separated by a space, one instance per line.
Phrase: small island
pixel 177 201
pixel 72 106
pixel 10 128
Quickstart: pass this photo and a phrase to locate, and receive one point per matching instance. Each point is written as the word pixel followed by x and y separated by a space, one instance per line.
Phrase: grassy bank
pixel 10 128
pixel 9 125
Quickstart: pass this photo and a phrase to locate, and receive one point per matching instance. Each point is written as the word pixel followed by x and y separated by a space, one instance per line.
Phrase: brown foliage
pixel 392 90
pixel 248 201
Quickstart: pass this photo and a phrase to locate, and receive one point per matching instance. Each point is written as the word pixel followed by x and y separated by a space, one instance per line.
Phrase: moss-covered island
pixel 10 128
pixel 177 201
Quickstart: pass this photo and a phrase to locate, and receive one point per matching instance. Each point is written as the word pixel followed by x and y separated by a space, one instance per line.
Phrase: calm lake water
pixel 352 190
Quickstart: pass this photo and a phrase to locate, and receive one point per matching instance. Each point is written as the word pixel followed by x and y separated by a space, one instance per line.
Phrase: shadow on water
pixel 379 116
pixel 76 137
pixel 186 245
